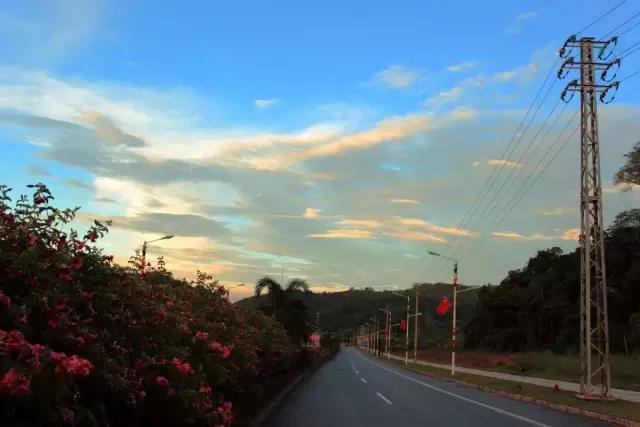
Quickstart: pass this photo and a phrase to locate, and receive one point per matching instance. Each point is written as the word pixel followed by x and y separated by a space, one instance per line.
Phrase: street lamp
pixel 455 304
pixel 144 248
pixel 406 335
pixel 387 330
pixel 236 286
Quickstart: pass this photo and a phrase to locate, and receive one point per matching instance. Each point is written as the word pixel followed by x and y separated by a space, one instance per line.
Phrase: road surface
pixel 356 390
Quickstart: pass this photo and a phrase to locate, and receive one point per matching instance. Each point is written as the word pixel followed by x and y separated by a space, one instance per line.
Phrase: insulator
pixel 565 50
pixel 562 73
pixel 566 91
pixel 605 73
pixel 603 95
pixel 613 42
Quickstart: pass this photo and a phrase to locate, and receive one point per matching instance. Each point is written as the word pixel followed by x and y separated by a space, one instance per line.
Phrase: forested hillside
pixel 343 311
pixel 536 307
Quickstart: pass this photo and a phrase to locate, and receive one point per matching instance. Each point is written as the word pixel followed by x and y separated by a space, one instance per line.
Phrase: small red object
pixel 443 306
pixel 403 325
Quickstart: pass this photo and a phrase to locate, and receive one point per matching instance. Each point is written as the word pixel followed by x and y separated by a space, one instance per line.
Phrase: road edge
pixel 523 398
pixel 275 402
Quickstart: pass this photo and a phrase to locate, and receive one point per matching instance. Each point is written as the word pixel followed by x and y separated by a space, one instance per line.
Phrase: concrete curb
pixel 557 406
pixel 275 402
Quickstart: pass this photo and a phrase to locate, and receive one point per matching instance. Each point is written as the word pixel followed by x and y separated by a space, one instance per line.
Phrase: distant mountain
pixel 344 311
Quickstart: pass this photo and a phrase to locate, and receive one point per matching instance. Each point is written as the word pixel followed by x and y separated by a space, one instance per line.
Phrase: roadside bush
pixel 86 342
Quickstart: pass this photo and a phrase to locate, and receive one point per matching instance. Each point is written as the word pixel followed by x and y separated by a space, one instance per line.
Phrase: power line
pixel 522 193
pixel 627 50
pixel 630 76
pixel 629 29
pixel 622 25
pixel 601 17
pixel 494 201
pixel 488 184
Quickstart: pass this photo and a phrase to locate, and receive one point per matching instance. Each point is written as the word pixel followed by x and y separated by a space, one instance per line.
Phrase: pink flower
pixel 226 352
pixel 205 389
pixel 60 304
pixel 32 239
pixel 14 383
pixel 39 200
pixel 182 367
pixel 78 245
pixel 162 381
pixel 67 415
pixel 92 235
pixel 14 342
pixel 76 263
pixel 74 366
pixel 202 336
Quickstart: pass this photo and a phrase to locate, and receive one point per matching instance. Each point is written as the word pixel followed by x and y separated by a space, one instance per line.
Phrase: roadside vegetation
pixel 87 342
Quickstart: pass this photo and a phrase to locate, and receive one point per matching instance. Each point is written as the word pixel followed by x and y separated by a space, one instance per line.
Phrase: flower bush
pixel 86 342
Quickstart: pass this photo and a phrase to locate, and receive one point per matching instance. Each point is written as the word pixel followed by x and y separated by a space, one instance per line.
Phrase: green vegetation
pixel 536 308
pixel 340 312
pixel 630 172
pixel 617 408
pixel 566 367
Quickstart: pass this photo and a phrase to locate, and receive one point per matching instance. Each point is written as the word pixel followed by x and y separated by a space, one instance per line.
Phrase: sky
pixel 336 141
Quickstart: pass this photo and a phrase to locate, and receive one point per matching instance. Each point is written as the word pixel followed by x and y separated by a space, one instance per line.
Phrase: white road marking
pixel 457 396
pixel 356 371
pixel 384 398
pixel 363 380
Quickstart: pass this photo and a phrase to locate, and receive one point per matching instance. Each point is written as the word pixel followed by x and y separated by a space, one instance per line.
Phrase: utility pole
pixel 415 328
pixel 594 325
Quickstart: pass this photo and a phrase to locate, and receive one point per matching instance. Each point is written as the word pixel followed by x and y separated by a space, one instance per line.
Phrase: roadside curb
pixel 275 402
pixel 557 406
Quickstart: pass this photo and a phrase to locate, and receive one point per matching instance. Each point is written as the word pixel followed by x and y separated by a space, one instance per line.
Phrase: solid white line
pixel 457 396
pixel 356 371
pixel 383 398
pixel 363 380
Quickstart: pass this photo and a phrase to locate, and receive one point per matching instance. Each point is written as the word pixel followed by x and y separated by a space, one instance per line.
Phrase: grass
pixel 625 370
pixel 618 408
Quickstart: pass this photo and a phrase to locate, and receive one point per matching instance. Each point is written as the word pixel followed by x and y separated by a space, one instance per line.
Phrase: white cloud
pixel 462 67
pixel 512 235
pixel 398 76
pixel 415 236
pixel 515 27
pixel 401 201
pixel 415 222
pixel 266 103
pixel 571 234
pixel 367 223
pixel 498 162
pixel 311 213
pixel 446 96
pixel 343 234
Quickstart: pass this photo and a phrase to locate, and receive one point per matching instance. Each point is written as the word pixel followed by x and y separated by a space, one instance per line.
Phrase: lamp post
pixel 144 249
pixel 455 304
pixel 406 334
pixel 387 329
pixel 236 286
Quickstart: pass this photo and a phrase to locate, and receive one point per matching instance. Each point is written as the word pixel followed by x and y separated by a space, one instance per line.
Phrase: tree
pixel 275 292
pixel 297 285
pixel 630 172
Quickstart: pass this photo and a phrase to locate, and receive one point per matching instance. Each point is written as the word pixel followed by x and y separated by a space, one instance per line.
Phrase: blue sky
pixel 339 139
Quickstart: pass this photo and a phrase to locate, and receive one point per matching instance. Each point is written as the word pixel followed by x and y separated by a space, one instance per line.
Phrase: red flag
pixel 403 325
pixel 443 306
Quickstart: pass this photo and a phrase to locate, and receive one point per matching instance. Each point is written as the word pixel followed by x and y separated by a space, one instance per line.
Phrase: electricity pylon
pixel 595 379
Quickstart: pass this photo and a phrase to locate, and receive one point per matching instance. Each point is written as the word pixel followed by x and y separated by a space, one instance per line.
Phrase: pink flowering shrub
pixel 86 342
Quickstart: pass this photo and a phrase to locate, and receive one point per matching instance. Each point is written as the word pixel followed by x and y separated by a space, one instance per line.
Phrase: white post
pixel 406 335
pixel 389 336
pixel 453 332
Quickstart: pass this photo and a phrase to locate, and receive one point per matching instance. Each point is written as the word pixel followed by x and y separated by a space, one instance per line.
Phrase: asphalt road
pixel 357 390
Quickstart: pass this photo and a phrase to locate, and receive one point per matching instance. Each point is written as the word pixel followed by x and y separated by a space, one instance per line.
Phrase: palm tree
pixel 274 290
pixel 297 285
